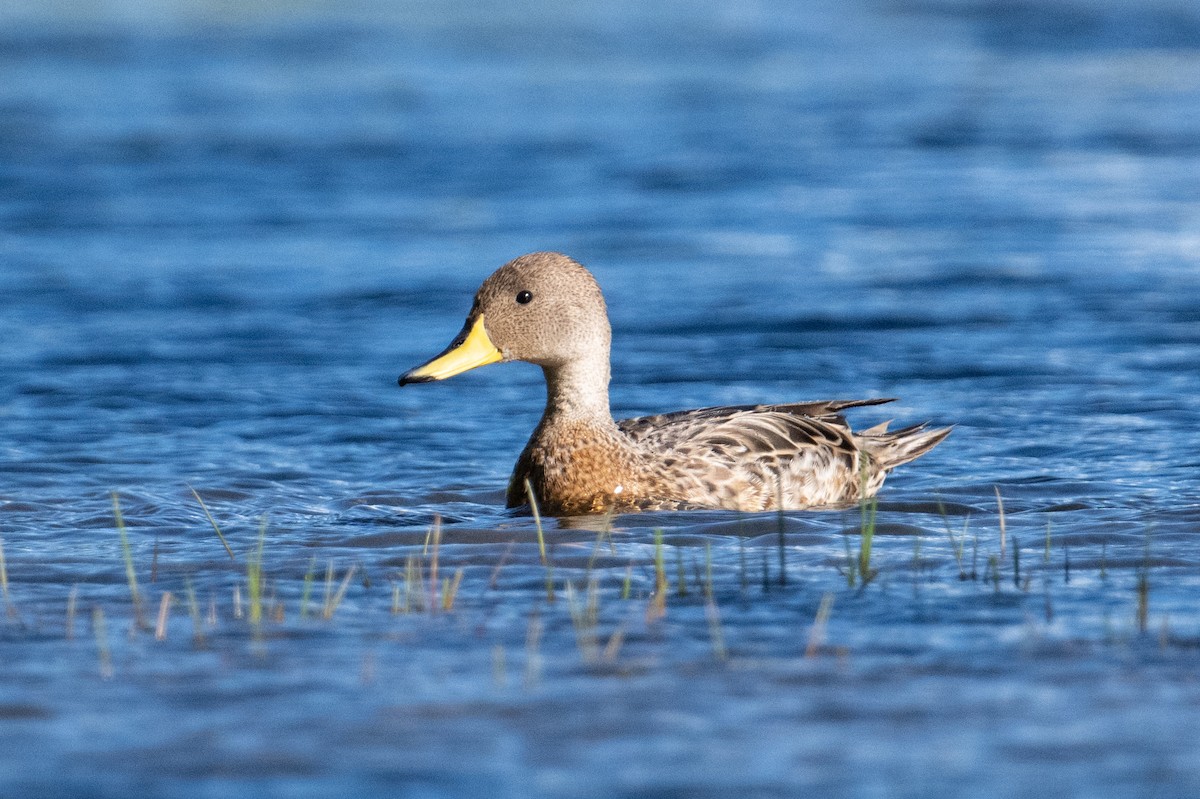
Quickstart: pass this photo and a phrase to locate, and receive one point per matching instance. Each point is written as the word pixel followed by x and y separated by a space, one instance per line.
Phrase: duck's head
pixel 544 308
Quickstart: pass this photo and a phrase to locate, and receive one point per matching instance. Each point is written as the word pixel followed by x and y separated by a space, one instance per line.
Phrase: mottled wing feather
pixel 680 425
pixel 747 456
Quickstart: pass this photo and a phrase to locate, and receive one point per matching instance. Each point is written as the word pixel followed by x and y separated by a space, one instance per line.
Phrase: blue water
pixel 224 233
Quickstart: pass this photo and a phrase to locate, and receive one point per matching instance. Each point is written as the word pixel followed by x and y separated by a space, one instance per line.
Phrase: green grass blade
pixel 332 605
pixel 216 528
pixel 127 552
pixel 537 521
pixel 306 592
pixel 254 581
pixel 541 539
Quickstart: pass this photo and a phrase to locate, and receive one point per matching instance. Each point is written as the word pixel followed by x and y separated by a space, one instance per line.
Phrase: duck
pixel 547 309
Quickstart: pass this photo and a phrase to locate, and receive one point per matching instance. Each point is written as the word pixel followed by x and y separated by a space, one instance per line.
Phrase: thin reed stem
pixel 127 552
pixel 541 539
pixel 816 634
pixel 332 605
pixel 164 612
pixel 216 528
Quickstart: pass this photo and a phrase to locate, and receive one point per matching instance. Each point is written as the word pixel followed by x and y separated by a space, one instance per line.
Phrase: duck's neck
pixel 578 391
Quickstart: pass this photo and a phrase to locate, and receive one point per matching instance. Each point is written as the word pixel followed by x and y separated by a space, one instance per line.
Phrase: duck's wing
pixel 667 429
pixel 750 457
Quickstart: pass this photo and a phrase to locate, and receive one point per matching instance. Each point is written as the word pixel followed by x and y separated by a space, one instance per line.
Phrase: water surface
pixel 221 240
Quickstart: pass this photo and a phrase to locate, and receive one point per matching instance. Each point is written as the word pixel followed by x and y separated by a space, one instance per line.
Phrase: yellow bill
pixel 471 348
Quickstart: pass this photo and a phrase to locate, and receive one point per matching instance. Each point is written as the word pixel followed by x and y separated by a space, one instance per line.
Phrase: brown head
pixel 544 308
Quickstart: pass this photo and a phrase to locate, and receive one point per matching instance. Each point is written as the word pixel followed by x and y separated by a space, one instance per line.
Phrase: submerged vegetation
pixel 609 588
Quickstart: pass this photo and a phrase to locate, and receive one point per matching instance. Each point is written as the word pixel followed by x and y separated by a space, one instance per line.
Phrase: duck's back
pixel 757 457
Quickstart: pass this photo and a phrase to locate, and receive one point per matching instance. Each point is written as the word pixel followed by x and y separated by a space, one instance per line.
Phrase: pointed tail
pixel 901 446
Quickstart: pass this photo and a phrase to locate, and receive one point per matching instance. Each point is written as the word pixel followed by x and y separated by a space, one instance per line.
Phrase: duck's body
pixel 547 309
pixel 749 458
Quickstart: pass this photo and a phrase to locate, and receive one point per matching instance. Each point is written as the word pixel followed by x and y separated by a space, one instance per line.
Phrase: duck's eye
pixel 524 298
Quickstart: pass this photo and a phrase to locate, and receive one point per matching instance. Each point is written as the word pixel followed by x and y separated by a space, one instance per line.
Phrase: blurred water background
pixel 226 228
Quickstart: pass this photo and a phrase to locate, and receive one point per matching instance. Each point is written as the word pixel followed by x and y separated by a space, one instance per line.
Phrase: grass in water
pixel 414 579
pixel 816 634
pixel 993 572
pixel 216 528
pixel 851 570
pixel 194 612
pixel 858 570
pixel 450 590
pixel 495 578
pixel 130 574
pixel 658 602
pixel 541 539
pixel 604 533
pixel 867 507
pixel 433 579
pixel 585 617
pixel 399 607
pixel 254 581
pixel 867 540
pixel 328 585
pixel 436 533
pixel 613 647
pixel 164 613
pixel 306 592
pixel 537 520
pixel 974 551
pixel 958 543
pixel 332 600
